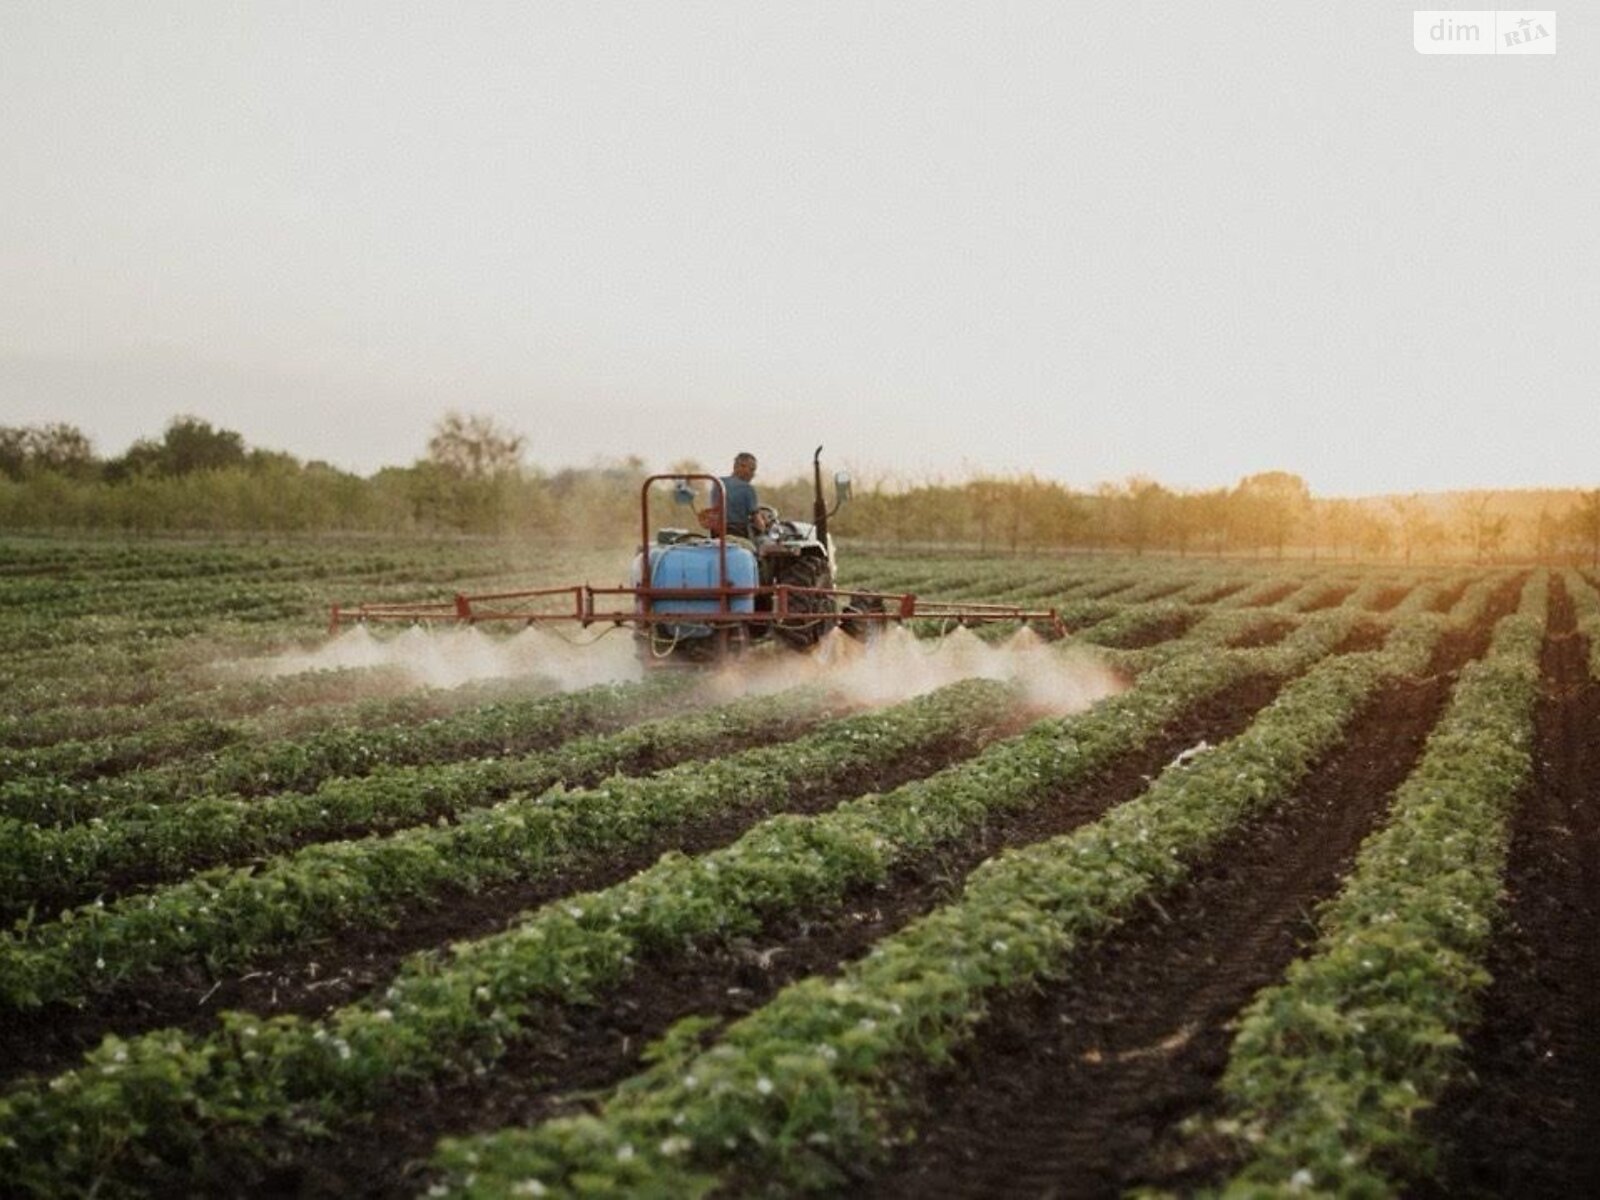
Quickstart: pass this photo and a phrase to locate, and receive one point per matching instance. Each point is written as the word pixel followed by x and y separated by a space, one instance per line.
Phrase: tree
pixel 1483 532
pixel 985 495
pixel 1211 516
pixel 474 447
pixel 1373 534
pixel 1270 506
pixel 64 449
pixel 1586 523
pixel 191 445
pixel 188 445
pixel 1341 524
pixel 1418 531
pixel 1144 509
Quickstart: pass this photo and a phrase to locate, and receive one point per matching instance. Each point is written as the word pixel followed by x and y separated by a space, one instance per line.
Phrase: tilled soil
pixel 1162 593
pixel 1389 597
pixel 1174 625
pixel 1073 1090
pixel 1268 633
pixel 1272 597
pixel 1531 1125
pixel 1331 598
pixel 1220 593
pixel 321 975
pixel 1446 600
pixel 577 1052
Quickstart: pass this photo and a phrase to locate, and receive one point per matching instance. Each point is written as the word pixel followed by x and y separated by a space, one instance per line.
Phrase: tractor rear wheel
pixel 801 630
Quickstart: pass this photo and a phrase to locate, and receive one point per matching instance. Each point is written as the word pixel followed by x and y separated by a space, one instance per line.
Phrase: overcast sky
pixel 1187 241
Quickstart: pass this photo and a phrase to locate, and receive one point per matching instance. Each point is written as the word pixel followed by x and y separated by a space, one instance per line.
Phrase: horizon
pixel 893 480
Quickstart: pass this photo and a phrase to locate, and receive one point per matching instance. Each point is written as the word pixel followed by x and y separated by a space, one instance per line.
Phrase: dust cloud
pixel 894 666
pixel 452 657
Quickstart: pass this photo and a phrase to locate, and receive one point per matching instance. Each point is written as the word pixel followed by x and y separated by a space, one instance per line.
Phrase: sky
pixel 1188 242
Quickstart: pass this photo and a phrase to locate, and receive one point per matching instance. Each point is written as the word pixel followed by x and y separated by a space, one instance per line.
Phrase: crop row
pixel 132 1107
pixel 299 764
pixel 1331 1067
pixel 811 1085
pixel 1586 602
pixel 47 866
pixel 227 700
pixel 351 699
pixel 66 561
pixel 231 917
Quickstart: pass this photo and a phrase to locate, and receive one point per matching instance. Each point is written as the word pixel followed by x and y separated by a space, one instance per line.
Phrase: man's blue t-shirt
pixel 742 502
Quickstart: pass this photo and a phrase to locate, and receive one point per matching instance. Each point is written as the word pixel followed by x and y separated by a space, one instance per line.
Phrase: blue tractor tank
pixel 693 565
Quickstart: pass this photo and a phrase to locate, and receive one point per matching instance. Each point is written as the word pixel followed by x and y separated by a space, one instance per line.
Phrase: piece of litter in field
pixel 1191 753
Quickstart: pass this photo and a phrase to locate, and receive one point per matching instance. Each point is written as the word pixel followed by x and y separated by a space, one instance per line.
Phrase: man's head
pixel 744 465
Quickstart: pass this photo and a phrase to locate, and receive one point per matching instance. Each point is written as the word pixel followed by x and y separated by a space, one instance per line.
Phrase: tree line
pixel 473 479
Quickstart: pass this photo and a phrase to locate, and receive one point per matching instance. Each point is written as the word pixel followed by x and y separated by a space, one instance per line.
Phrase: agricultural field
pixel 1274 877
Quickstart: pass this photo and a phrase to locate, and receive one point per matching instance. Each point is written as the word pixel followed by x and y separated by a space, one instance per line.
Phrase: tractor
pixel 699 596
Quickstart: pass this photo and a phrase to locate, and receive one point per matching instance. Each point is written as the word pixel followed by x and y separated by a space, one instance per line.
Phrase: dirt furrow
pixel 1331 598
pixel 1446 600
pixel 1389 599
pixel 580 1052
pixel 1070 1090
pixel 1269 633
pixel 1168 628
pixel 1222 592
pixel 1531 1125
pixel 1276 594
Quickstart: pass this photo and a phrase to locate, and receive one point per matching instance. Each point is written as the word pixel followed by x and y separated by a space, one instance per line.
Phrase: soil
pixel 1220 593
pixel 1268 633
pixel 1074 1089
pixel 1531 1125
pixel 1367 635
pixel 1446 600
pixel 576 1053
pixel 1268 599
pixel 1389 597
pixel 1331 598
pixel 1162 593
pixel 1174 625
pixel 323 974
pixel 1111 589
pixel 1077 1088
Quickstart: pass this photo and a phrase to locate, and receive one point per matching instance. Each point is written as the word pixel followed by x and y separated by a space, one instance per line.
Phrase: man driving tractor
pixel 735 498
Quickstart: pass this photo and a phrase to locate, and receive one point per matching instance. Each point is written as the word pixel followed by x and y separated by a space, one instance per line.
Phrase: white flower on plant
pixel 625 1152
pixel 764 1086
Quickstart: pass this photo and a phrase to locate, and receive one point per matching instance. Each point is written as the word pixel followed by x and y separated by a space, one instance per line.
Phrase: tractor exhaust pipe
pixel 819 507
